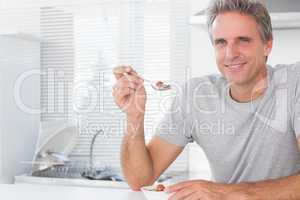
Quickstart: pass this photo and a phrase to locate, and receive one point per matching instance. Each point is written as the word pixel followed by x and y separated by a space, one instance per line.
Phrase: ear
pixel 268 47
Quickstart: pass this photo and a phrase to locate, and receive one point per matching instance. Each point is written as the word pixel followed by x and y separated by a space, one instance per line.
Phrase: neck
pixel 250 91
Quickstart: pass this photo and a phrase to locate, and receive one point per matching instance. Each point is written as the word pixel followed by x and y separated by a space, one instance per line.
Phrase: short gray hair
pixel 254 8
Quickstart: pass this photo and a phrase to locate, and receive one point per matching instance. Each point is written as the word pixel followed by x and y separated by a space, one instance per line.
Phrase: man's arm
pixel 142 164
pixel 287 188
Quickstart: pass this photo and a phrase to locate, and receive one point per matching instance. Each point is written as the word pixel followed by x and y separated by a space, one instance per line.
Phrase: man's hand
pixel 129 92
pixel 207 190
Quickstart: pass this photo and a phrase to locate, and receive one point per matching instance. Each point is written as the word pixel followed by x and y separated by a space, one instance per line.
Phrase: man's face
pixel 240 51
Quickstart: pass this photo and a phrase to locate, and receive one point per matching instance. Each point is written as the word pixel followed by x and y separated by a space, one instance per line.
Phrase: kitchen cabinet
pixel 19 103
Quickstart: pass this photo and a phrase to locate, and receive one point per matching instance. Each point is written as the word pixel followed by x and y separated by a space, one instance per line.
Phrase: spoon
pixel 159 85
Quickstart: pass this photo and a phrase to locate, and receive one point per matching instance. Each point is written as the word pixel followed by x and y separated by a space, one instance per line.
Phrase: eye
pixel 245 39
pixel 220 42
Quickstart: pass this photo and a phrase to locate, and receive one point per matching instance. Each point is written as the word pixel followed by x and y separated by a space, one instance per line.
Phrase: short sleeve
pixel 174 127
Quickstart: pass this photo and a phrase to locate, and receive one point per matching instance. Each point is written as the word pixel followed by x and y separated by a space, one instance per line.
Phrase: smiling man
pixel 246 120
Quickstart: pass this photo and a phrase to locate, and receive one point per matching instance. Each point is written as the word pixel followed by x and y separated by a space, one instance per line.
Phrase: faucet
pixel 91 158
pixel 104 174
pixel 91 173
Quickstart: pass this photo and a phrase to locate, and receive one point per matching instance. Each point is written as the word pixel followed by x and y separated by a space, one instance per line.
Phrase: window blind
pixel 57 63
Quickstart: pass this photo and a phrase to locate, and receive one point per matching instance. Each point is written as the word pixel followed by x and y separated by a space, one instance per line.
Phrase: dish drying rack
pixel 56 165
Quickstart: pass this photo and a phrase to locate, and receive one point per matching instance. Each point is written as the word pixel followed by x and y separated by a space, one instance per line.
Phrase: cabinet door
pixel 18 128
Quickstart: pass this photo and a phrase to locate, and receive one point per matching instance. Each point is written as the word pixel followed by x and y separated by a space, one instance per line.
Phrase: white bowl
pixel 154 195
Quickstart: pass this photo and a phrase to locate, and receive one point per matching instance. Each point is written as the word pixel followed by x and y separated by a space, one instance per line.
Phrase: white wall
pixel 286 47
pixel 20 21
pixel 201 51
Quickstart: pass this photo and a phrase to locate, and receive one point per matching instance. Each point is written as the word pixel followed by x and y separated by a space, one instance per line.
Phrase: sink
pixel 79 171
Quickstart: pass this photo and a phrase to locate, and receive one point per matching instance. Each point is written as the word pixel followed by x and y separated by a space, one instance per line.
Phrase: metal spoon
pixel 159 85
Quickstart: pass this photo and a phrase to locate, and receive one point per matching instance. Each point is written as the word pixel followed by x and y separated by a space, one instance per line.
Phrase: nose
pixel 232 52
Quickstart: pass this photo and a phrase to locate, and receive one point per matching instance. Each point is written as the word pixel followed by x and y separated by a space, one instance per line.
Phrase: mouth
pixel 235 66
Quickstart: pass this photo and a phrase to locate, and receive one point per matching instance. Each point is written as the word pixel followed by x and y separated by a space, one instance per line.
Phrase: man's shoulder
pixel 286 72
pixel 291 68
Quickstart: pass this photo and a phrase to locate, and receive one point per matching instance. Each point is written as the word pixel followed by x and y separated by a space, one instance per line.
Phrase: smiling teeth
pixel 235 66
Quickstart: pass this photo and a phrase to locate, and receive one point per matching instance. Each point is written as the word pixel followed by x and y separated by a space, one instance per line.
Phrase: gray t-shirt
pixel 242 141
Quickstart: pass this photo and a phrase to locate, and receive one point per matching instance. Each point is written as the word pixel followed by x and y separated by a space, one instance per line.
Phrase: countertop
pixel 33 188
pixel 47 192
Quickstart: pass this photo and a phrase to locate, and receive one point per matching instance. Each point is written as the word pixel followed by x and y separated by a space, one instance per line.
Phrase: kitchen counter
pixel 47 192
pixel 27 179
pixel 33 188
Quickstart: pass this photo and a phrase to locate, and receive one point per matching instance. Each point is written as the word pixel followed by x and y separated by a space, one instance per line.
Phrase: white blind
pixel 57 63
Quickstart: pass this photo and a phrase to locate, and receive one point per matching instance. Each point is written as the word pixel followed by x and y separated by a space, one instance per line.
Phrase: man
pixel 255 155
